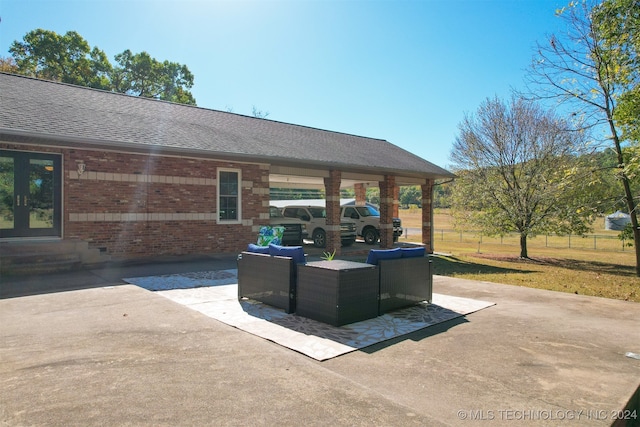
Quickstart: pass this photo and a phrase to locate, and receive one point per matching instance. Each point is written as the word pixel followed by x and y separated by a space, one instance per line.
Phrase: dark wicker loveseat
pixel 270 278
pixel 406 277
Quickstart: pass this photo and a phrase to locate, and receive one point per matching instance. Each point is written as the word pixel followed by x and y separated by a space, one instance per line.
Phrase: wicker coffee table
pixel 337 292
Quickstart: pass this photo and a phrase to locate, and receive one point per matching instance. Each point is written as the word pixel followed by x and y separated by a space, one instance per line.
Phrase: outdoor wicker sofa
pixel 402 277
pixel 405 276
pixel 268 274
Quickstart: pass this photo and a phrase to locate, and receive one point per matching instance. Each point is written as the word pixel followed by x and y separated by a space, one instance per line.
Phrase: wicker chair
pixel 270 279
pixel 406 278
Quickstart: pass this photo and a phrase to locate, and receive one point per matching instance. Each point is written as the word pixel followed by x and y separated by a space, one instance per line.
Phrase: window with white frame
pixel 229 200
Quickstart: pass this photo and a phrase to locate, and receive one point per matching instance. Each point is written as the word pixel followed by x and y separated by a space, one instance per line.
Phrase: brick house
pixel 136 177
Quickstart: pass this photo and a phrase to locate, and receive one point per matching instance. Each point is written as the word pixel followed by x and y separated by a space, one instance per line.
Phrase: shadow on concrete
pixel 110 274
pixel 418 335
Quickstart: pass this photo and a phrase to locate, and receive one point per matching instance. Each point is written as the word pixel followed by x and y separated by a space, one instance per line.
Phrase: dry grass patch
pixel 594 278
pixel 580 271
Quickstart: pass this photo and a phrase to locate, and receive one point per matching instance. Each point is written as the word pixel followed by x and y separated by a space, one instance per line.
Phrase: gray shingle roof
pixel 66 113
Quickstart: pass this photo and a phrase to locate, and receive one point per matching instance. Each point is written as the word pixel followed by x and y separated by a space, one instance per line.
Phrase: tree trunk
pixel 631 204
pixel 634 220
pixel 523 246
pixel 636 241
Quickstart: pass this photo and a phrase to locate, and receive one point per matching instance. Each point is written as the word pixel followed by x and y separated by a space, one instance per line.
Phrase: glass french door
pixel 30 194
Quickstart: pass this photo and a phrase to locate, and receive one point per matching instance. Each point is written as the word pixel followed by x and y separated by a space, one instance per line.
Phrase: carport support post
pixel 361 194
pixel 427 215
pixel 332 191
pixel 396 201
pixel 387 191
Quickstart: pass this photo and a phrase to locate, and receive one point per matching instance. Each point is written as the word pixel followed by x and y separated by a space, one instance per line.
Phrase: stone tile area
pixel 209 293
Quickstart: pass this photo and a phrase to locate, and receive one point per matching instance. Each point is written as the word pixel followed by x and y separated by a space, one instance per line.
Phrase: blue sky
pixel 404 71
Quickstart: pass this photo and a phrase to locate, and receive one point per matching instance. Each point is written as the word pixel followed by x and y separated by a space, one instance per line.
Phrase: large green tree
pixel 590 69
pixel 68 58
pixel 65 58
pixel 442 194
pixel 512 159
pixel 141 75
pixel 617 23
pixel 410 195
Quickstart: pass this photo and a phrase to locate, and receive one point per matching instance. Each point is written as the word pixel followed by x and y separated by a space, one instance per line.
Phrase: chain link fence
pixel 602 242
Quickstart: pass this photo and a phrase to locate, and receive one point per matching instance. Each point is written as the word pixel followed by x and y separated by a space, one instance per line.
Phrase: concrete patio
pixel 113 354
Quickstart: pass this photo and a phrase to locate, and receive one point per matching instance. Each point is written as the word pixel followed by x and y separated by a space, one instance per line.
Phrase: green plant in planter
pixel 328 256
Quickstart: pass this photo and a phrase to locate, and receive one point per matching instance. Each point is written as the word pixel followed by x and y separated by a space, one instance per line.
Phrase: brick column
pixel 361 194
pixel 332 191
pixel 427 215
pixel 396 201
pixel 386 211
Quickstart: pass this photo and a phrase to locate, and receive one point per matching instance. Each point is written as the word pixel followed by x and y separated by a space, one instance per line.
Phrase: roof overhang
pixel 283 173
pixel 305 178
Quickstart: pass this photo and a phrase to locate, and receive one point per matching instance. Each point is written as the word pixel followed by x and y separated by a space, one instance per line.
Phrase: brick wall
pixel 134 205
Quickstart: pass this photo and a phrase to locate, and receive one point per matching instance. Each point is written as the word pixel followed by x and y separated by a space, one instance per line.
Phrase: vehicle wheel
pixel 370 236
pixel 319 238
pixel 348 242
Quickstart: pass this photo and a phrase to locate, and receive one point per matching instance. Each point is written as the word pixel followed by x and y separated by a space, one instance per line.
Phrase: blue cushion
pixel 295 252
pixel 258 249
pixel 413 252
pixel 377 254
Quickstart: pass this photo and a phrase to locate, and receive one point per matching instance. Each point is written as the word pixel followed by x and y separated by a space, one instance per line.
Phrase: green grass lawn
pixel 562 273
pixel 580 270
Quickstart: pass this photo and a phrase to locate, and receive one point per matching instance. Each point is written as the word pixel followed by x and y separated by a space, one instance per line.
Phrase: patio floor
pixel 117 354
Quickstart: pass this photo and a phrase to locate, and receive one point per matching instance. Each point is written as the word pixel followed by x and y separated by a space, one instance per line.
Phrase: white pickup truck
pixel 367 220
pixel 314 219
pixel 294 231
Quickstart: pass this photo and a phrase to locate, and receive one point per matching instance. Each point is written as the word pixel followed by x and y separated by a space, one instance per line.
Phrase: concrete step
pixel 42 256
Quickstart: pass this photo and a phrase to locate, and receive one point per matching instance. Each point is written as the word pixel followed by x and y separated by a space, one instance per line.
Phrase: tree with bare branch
pixel 512 161
pixel 583 71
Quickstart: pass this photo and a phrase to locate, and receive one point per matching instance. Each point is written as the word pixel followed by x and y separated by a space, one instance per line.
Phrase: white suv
pixel 315 220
